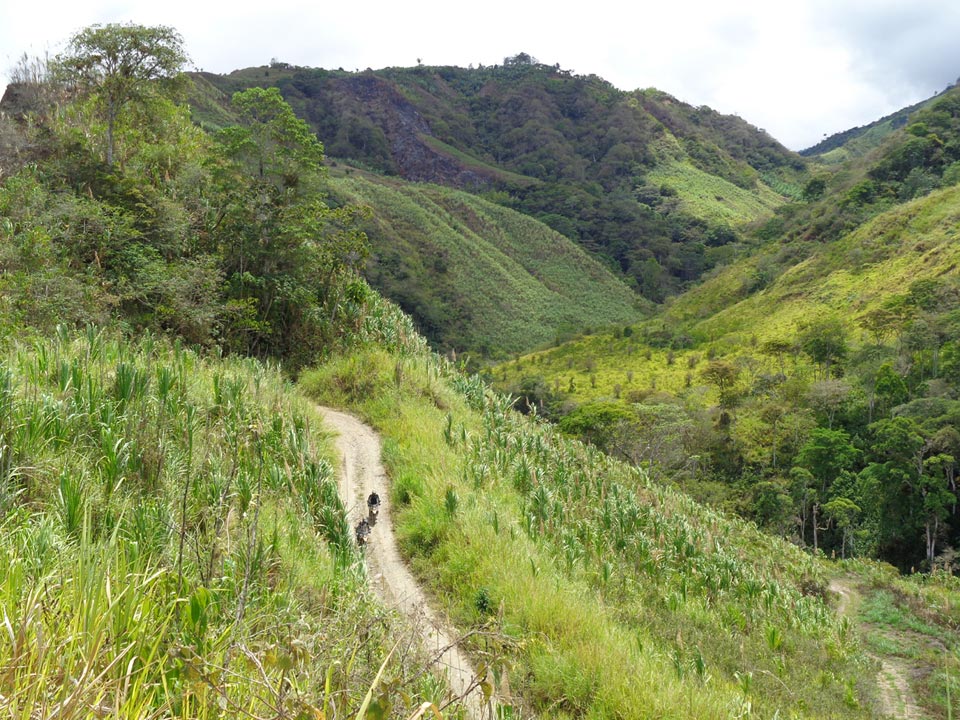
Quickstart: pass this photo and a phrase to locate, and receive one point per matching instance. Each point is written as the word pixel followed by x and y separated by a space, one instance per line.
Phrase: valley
pixel 643 390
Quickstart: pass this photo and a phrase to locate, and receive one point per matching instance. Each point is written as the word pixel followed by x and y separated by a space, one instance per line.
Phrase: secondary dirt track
pixel 361 473
pixel 896 697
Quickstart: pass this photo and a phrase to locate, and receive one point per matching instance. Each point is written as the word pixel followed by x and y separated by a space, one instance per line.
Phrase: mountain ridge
pixel 656 189
pixel 844 144
pixel 158 470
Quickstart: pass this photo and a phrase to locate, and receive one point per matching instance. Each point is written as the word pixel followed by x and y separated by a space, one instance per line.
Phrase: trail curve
pixel 361 472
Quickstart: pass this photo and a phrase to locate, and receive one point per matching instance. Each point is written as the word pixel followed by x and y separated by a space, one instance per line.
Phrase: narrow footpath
pixel 896 697
pixel 360 474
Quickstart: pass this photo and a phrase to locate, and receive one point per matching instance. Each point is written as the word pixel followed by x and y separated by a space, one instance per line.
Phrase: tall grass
pixel 172 543
pixel 625 599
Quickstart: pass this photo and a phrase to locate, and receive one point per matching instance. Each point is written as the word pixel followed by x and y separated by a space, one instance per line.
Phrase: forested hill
pixel 842 324
pixel 860 140
pixel 657 188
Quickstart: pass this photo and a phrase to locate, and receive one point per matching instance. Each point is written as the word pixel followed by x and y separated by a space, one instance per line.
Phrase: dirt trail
pixel 361 473
pixel 896 697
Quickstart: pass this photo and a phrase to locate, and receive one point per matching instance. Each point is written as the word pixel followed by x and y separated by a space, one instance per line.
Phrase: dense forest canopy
pixel 223 239
pixel 595 163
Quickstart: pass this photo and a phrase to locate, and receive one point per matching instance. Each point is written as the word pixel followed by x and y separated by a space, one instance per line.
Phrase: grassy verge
pixel 613 597
pixel 911 621
pixel 173 544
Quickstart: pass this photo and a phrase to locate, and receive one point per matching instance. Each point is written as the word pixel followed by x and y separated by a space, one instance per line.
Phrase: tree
pixel 825 455
pixel 814 189
pixel 724 375
pixel 601 422
pixel 802 490
pixel 937 499
pixel 825 342
pixel 897 450
pixel 828 396
pixel 883 321
pixel 778 348
pixel 772 504
pixel 118 64
pixel 844 512
pixel 272 144
pixel 889 388
pixel 290 261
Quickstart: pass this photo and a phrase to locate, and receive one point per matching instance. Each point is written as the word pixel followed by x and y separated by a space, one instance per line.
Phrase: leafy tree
pixel 118 64
pixel 771 504
pixel 897 450
pixel 600 422
pixel 825 342
pixel 532 393
pixel 825 455
pixel 779 349
pixel 289 259
pixel 272 144
pixel 950 361
pixel 827 397
pixel 844 513
pixel 814 189
pixel 881 322
pixel 937 499
pixel 889 388
pixel 724 375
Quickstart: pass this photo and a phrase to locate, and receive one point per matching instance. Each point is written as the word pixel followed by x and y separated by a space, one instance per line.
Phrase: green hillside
pixel 856 336
pixel 176 300
pixel 853 278
pixel 859 273
pixel 477 276
pixel 858 141
pixel 713 198
pixel 649 185
pixel 569 563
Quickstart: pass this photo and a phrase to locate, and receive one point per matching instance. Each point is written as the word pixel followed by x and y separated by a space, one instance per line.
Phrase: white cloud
pixel 799 70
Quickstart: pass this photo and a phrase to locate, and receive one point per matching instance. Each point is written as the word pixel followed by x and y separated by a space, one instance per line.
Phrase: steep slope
pixel 860 140
pixel 749 370
pixel 173 543
pixel 567 563
pixel 573 151
pixel 914 242
pixel 477 276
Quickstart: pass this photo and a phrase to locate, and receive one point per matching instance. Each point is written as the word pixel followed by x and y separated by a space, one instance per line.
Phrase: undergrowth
pixel 589 566
pixel 172 543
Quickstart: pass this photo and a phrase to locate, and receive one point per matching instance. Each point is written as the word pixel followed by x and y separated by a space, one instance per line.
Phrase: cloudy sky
pixel 801 69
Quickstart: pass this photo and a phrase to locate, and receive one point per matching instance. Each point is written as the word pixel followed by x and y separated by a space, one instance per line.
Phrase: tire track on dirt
pixel 361 473
pixel 896 697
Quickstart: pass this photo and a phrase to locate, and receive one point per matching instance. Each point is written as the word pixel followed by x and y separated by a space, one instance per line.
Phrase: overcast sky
pixel 801 69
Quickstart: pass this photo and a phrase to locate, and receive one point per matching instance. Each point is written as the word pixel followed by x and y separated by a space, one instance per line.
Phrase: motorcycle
pixel 373 507
pixel 362 532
